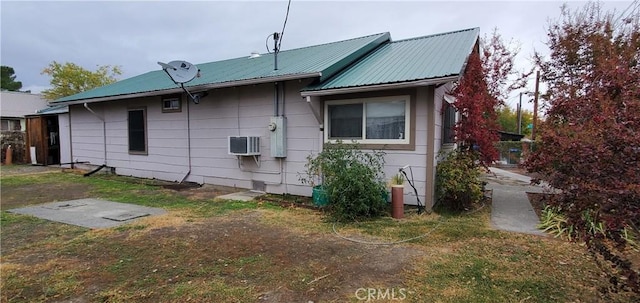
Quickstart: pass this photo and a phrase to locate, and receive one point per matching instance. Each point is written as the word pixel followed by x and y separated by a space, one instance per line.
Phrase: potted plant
pixel 397 196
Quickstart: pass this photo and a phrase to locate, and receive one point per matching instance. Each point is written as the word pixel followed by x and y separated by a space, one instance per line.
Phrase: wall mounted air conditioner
pixel 244 146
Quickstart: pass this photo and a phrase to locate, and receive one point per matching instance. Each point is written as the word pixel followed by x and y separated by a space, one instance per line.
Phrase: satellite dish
pixel 180 71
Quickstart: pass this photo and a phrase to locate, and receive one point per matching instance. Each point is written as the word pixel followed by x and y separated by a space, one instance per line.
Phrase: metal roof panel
pixel 428 57
pixel 323 60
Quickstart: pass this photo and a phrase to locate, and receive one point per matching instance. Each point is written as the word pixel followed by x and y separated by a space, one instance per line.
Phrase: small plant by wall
pixel 458 185
pixel 353 180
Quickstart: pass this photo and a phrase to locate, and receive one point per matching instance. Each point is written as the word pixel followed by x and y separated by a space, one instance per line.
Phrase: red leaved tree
pixel 476 129
pixel 486 84
pixel 590 140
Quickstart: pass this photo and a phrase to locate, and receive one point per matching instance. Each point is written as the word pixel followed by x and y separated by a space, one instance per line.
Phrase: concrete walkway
pixel 89 213
pixel 510 208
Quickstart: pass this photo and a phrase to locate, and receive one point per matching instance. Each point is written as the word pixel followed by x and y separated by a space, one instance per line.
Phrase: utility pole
pixel 520 115
pixel 535 107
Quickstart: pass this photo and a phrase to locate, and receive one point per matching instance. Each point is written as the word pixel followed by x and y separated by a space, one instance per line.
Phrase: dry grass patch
pixel 232 251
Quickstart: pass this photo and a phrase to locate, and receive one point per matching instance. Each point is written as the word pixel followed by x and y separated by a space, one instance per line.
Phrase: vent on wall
pixel 244 146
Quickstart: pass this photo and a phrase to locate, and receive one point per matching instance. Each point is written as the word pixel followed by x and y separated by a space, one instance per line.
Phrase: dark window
pixel 137 131
pixel 448 123
pixel 345 121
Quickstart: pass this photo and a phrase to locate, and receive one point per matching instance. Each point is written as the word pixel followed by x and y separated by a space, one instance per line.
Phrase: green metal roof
pixel 321 61
pixel 428 57
pixel 52 110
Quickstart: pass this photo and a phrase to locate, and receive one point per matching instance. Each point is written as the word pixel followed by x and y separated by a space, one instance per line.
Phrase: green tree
pixel 508 120
pixel 69 78
pixel 9 79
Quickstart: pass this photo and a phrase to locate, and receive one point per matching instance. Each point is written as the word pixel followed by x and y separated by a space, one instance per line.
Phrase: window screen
pixel 137 131
pixel 345 121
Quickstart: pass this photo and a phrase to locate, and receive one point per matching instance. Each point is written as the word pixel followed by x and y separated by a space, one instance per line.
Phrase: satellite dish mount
pixel 182 72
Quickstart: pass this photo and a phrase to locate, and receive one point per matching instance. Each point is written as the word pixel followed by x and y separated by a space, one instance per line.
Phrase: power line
pixel 286 17
pixel 620 17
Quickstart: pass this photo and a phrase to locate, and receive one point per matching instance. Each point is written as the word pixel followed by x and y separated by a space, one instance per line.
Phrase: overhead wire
pixel 633 4
pixel 286 17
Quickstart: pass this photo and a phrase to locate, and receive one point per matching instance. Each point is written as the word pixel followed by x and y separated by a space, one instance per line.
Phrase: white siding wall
pixel 417 159
pixel 243 111
pixel 64 139
pixel 225 112
pixel 166 139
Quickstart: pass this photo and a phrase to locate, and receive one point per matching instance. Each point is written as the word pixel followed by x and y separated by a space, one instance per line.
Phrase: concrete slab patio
pixel 510 209
pixel 89 213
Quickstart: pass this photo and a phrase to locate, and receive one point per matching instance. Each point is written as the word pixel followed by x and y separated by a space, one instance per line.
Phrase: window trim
pixel 445 116
pixel 408 143
pixel 146 131
pixel 171 97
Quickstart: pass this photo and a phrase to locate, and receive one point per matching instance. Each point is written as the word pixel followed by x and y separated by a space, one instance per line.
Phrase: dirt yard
pixel 207 250
pixel 238 251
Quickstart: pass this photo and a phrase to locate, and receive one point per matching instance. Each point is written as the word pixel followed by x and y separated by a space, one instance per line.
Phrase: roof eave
pixel 194 88
pixel 376 87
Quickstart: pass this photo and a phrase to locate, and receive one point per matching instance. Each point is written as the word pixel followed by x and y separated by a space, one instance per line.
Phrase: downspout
pixel 276 97
pixel 188 142
pixel 283 97
pixel 104 131
pixel 70 138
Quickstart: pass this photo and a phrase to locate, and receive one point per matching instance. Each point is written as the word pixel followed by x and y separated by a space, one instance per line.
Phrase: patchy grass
pixel 205 250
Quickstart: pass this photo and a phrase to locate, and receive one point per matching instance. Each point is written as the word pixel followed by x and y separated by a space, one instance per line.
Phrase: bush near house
pixel 458 185
pixel 353 180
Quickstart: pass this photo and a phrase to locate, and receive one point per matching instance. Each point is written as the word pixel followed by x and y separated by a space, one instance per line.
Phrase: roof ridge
pixel 300 48
pixel 334 42
pixel 439 34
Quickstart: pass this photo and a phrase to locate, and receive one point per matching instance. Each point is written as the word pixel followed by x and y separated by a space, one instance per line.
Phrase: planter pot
pixel 386 195
pixel 397 201
pixel 319 196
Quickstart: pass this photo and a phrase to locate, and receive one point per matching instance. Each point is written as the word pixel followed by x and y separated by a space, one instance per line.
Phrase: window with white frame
pixel 383 120
pixel 171 104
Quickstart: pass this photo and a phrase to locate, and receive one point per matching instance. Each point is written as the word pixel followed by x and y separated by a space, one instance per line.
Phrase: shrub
pixel 352 179
pixel 458 185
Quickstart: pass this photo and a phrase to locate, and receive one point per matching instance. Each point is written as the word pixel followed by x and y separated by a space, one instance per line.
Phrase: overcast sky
pixel 135 35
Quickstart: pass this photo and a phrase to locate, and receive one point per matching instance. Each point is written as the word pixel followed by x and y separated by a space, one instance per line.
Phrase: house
pixel 13 108
pixel 15 105
pixel 257 123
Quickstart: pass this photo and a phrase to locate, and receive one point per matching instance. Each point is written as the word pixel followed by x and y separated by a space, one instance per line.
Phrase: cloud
pixel 135 35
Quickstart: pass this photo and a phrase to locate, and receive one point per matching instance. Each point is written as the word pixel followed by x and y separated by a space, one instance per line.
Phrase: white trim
pixel 407 122
pixel 359 89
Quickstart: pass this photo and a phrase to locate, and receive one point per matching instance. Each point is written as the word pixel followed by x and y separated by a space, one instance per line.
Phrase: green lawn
pixel 230 251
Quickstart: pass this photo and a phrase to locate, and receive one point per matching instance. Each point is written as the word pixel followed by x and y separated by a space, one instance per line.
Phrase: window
pixel 382 120
pixel 8 124
pixel 171 104
pixel 448 123
pixel 137 131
